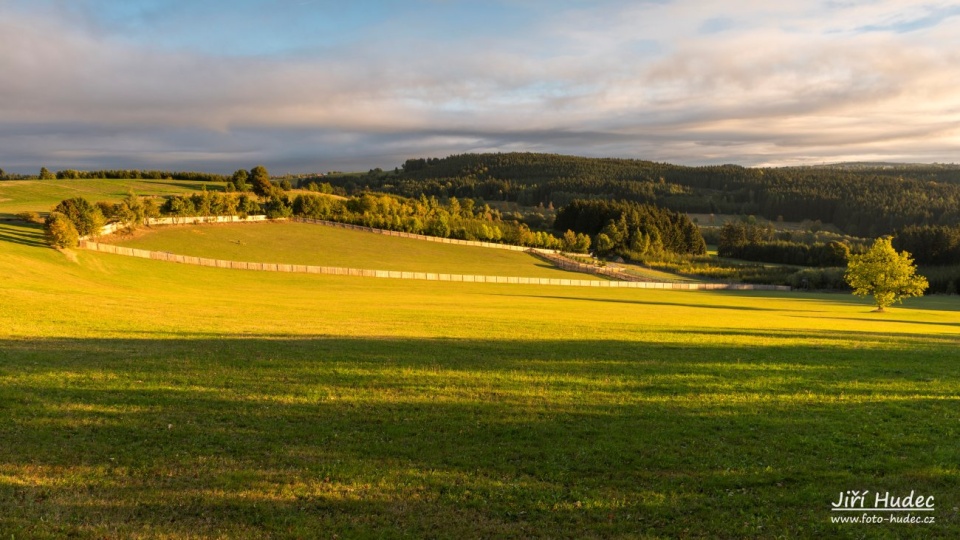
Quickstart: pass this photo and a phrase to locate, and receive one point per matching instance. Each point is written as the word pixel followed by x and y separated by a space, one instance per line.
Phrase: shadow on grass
pixel 936 302
pixel 879 338
pixel 881 318
pixel 23 233
pixel 641 302
pixel 284 437
pixel 939 302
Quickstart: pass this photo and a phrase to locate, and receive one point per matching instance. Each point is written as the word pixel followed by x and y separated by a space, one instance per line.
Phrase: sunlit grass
pixel 147 399
pixel 302 243
pixel 42 195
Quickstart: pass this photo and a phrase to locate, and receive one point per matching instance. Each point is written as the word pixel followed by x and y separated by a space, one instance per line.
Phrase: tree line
pixel 455 218
pixel 631 229
pixel 930 244
pixel 754 242
pixel 131 174
pixel 866 200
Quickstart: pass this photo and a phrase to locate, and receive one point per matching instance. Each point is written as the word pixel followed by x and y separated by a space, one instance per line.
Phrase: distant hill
pixel 864 199
pixel 884 166
pixel 937 172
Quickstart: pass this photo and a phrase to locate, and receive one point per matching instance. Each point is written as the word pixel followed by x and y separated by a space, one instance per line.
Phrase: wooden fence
pixel 184 220
pixel 391 274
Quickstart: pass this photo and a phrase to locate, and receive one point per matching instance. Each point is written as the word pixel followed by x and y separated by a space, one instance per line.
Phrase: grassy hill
pixel 145 399
pixel 41 196
pixel 302 243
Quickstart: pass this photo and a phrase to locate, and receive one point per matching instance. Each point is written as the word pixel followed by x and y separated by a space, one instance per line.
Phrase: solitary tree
pixel 887 275
pixel 46 174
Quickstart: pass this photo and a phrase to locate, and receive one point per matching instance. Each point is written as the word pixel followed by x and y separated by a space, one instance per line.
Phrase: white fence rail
pixel 393 274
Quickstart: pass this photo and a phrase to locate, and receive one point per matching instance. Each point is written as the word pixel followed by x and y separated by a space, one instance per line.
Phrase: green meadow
pixel 318 245
pixel 144 399
pixel 41 196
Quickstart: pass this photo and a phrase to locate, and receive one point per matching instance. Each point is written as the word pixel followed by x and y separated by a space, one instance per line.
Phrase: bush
pixel 60 231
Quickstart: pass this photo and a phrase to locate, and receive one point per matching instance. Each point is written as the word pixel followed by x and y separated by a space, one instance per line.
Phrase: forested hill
pixel 862 199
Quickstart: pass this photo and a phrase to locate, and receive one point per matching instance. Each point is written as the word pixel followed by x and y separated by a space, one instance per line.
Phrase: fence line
pixel 552 256
pixel 392 274
pixel 575 266
pixel 193 220
pixel 111 228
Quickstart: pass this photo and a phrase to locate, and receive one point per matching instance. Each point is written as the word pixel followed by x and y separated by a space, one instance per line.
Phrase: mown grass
pixel 152 400
pixel 42 195
pixel 302 243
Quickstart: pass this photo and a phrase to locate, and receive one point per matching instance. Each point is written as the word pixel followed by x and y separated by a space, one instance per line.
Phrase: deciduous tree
pixel 87 218
pixel 260 182
pixel 60 231
pixel 885 274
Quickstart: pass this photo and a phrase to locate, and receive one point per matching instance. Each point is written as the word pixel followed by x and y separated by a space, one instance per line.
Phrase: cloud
pixel 690 82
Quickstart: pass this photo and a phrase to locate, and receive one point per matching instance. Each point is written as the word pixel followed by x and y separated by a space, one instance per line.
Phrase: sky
pixel 316 85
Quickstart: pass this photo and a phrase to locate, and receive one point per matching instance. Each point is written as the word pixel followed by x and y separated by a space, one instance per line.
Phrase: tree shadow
pixel 26 234
pixel 642 302
pixel 762 338
pixel 286 436
pixel 936 302
pixel 881 319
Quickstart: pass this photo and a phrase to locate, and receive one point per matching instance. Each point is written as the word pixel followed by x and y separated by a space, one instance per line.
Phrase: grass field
pixel 150 400
pixel 655 275
pixel 41 196
pixel 302 243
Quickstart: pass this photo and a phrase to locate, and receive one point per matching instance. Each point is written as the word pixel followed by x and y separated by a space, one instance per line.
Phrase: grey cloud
pixel 71 99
